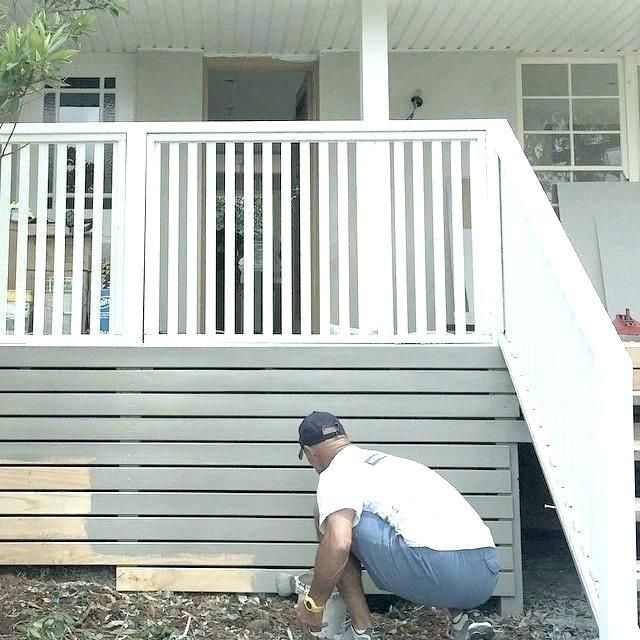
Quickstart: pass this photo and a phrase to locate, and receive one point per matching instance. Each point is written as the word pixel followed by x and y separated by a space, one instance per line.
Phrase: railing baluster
pixel 457 232
pixel 267 239
pixel 438 239
pixel 152 242
pixel 210 239
pixel 96 239
pixel 305 239
pixel 193 255
pixel 78 241
pixel 21 241
pixel 402 327
pixel 324 248
pixel 41 240
pixel 344 274
pixel 285 238
pixel 57 317
pixel 419 238
pixel 5 214
pixel 174 239
pixel 249 239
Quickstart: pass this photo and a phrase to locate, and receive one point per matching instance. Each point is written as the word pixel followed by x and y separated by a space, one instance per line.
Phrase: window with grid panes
pixel 90 99
pixel 571 121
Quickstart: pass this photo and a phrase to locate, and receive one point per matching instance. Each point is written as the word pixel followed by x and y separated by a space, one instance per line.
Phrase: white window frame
pixel 100 91
pixel 623 91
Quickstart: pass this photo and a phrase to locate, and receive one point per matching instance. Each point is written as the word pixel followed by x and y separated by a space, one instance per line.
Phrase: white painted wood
pixel 305 239
pixel 152 241
pixel 173 240
pixel 127 235
pixel 78 240
pixel 267 239
pixel 210 239
pixel 457 233
pixel 193 255
pixel 41 239
pixel 419 238
pixel 324 248
pixel 285 238
pixel 24 178
pixel 249 240
pixel 96 239
pixel 438 238
pixel 344 272
pixel 5 201
pixel 400 239
pixel 229 238
pixel 374 61
pixel 59 238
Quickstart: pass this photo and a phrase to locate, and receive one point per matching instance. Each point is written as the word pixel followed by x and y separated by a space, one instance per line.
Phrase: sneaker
pixel 472 625
pixel 351 634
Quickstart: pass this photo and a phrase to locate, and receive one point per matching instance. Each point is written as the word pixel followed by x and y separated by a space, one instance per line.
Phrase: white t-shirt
pixel 417 502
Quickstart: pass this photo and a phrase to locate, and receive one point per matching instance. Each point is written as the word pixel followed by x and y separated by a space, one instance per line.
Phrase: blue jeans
pixel 450 579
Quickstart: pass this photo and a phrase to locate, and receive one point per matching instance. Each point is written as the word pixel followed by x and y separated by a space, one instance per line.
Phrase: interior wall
pixel 453 85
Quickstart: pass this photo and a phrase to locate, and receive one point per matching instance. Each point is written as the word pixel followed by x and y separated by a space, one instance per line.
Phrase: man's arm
pixel 333 553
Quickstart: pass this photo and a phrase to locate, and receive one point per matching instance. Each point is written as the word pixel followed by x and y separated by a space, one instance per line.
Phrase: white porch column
pixel 375 285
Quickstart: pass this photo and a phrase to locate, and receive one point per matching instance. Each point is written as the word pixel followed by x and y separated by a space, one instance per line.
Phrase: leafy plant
pixel 55 626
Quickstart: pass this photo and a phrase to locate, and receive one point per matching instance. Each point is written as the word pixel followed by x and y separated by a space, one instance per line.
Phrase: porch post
pixel 375 285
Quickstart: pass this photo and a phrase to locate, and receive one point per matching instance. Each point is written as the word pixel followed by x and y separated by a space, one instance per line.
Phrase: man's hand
pixel 307 620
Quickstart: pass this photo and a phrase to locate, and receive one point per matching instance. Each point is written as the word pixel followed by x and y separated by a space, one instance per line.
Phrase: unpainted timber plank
pixel 198 579
pixel 257 404
pixel 261 380
pixel 192 504
pixel 634 352
pixel 213 554
pixel 260 356
pixel 214 529
pixel 207 479
pixel 236 454
pixel 363 430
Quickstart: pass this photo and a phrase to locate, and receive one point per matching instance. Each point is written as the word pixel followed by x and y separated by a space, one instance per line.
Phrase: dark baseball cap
pixel 316 428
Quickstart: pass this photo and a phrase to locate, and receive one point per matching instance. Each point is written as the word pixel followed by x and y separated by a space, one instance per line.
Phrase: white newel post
pixel 375 286
pixel 132 292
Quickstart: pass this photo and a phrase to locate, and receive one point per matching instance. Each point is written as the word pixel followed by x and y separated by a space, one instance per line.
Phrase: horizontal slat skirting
pixel 261 380
pixel 253 356
pixel 206 479
pixel 192 504
pixel 228 454
pixel 253 404
pixel 233 580
pixel 257 429
pixel 213 554
pixel 179 529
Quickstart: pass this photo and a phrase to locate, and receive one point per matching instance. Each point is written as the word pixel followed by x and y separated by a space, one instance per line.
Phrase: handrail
pixel 573 378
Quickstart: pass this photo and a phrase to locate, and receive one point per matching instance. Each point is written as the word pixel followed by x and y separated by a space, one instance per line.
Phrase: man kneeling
pixel 416 536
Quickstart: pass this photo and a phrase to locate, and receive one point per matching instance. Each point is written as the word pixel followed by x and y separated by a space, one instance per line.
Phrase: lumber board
pixel 192 504
pixel 259 356
pixel 213 554
pixel 209 529
pixel 192 579
pixel 207 479
pixel 260 404
pixel 261 380
pixel 232 454
pixel 176 429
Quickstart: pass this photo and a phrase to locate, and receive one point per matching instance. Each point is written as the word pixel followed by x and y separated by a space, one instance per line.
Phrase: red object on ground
pixel 625 325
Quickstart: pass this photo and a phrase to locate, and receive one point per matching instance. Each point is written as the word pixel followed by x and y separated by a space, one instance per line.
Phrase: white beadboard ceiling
pixel 306 27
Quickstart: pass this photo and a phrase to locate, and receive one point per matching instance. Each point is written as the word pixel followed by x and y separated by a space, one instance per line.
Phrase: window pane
pixel 109 111
pixel 547 149
pixel 549 182
pixel 79 99
pixel 49 114
pixel 597 149
pixel 597 176
pixel 545 80
pixel 596 114
pixel 594 79
pixel 82 83
pixel 546 115
pixel 109 83
pixel 79 107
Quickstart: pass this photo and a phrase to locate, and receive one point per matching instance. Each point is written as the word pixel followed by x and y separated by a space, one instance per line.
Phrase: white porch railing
pixel 574 381
pixel 300 232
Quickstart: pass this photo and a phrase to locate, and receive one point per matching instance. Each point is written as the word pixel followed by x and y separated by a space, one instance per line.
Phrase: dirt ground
pixel 44 604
